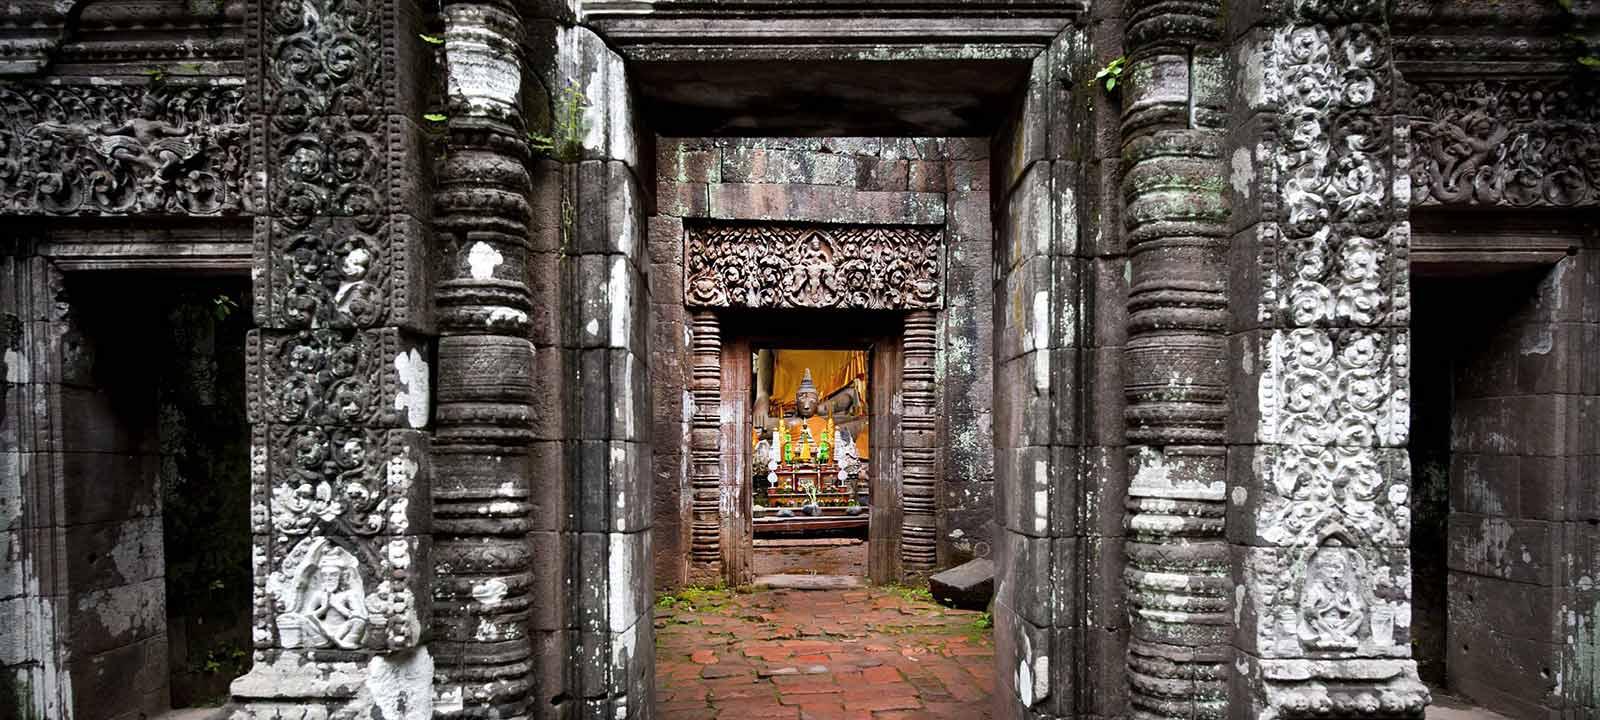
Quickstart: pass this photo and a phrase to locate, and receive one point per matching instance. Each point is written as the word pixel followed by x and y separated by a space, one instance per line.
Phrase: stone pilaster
pixel 919 446
pixel 338 393
pixel 1320 479
pixel 483 500
pixel 1175 217
pixel 705 447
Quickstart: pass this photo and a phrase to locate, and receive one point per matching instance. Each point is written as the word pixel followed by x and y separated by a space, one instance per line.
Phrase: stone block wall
pixel 605 339
pixel 1059 327
pixel 115 631
pixel 845 180
pixel 1521 527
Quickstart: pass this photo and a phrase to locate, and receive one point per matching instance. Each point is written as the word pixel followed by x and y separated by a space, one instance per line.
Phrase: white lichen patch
pixel 489 592
pixel 620 292
pixel 401 685
pixel 482 259
pixel 1243 173
pixel 413 398
pixel 506 316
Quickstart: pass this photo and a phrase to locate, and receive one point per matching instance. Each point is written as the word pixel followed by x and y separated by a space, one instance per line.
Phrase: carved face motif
pixel 805 404
pixel 355 264
pixel 330 578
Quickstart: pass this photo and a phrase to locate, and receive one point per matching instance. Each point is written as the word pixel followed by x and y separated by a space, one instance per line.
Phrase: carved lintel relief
pixel 1508 143
pixel 124 150
pixel 771 265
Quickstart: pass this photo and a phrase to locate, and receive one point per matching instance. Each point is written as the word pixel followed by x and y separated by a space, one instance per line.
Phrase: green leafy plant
pixel 435 117
pixel 564 142
pixel 155 74
pixel 1587 44
pixel 222 306
pixel 983 621
pixel 431 39
pixel 1111 73
pixel 911 594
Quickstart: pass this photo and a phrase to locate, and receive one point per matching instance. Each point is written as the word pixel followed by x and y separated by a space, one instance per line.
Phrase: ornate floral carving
pixel 1515 143
pixel 1327 574
pixel 353 481
pixel 331 272
pixel 325 57
pixel 325 377
pixel 813 266
pixel 122 149
pixel 329 166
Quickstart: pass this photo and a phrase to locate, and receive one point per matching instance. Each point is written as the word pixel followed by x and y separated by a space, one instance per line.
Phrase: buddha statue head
pixel 805 399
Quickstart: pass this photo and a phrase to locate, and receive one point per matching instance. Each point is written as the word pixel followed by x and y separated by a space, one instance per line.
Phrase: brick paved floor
pixel 870 654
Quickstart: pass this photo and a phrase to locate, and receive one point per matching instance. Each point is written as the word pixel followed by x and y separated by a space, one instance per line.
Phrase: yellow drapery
pixel 830 371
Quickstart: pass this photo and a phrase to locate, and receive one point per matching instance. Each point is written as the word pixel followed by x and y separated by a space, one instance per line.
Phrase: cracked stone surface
pixel 873 653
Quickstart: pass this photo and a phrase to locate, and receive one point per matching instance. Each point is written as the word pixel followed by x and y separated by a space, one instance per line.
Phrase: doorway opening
pixel 157 458
pixel 811 461
pixel 1496 368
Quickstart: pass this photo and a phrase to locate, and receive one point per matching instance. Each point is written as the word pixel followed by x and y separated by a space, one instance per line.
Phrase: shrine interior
pixel 811 461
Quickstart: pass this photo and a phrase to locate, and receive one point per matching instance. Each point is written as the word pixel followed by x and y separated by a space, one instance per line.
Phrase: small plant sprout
pixel 1111 73
pixel 431 39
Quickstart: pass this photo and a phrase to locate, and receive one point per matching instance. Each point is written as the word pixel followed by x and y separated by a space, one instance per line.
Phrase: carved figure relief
pixel 324 605
pixel 1333 611
pixel 813 266
pixel 122 150
pixel 1512 143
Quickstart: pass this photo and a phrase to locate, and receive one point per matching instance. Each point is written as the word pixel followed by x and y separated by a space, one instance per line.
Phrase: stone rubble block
pixel 968 586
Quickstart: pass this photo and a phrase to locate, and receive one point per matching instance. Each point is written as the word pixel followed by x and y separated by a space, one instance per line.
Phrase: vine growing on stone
pixel 564 142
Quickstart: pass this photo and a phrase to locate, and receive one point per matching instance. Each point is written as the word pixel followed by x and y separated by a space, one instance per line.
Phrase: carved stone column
pixel 705 448
pixel 482 500
pixel 1176 221
pixel 1319 507
pixel 338 395
pixel 919 446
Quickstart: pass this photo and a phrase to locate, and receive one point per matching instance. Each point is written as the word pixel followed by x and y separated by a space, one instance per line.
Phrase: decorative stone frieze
pixel 340 388
pixel 770 265
pixel 1507 143
pixel 156 149
pixel 1324 602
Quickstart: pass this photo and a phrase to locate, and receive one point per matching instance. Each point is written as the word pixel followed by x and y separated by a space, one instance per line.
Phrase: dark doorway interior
pixel 165 382
pixel 1488 380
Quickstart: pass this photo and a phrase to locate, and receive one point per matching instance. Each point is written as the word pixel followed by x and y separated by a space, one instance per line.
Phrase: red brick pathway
pixel 871 654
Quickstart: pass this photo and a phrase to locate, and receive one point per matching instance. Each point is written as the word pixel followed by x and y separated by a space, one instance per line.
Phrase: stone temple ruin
pixel 382 358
